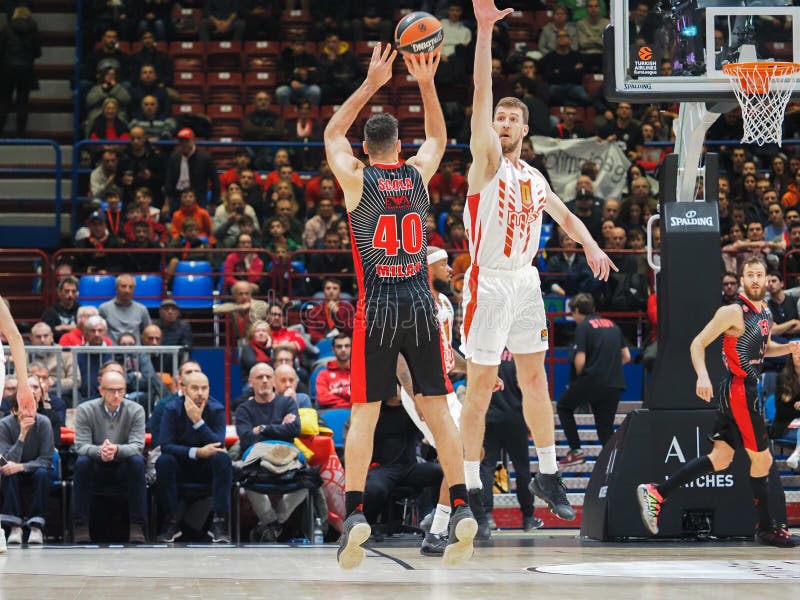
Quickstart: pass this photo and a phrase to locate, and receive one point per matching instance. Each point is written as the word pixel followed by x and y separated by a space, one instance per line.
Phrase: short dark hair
pixel 794 226
pixel 335 280
pixel 775 273
pixel 68 280
pixel 730 274
pixel 13 404
pixel 754 260
pixel 342 336
pixel 582 303
pixel 380 133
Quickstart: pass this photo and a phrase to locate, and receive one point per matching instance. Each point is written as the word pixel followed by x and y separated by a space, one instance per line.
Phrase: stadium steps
pixel 27 199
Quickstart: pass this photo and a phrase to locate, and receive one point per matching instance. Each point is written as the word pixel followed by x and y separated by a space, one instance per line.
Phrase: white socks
pixel 472 474
pixel 440 519
pixel 547 460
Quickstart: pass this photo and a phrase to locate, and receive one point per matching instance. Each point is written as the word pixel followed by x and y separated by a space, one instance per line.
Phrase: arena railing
pixel 159 355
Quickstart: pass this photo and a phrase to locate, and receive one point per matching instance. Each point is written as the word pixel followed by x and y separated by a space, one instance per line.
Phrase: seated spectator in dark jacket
pixel 243 264
pixel 329 263
pixel 108 87
pixel 99 239
pixel 174 331
pixel 394 460
pixel 142 382
pixel 221 20
pixel 286 382
pixel 284 355
pixel 149 117
pixel 258 348
pixel 149 84
pixel 49 403
pixel 331 316
pixel 62 316
pixel 339 70
pixel 193 451
pixel 262 125
pixel 572 266
pixel 142 262
pixel 297 75
pixel 266 417
pixel 109 440
pixel 154 422
pixel 108 54
pixel 27 445
pixel 151 55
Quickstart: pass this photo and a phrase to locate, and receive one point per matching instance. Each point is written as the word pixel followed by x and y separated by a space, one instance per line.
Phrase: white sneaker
pixel 35 536
pixel 794 459
pixel 3 548
pixel 15 537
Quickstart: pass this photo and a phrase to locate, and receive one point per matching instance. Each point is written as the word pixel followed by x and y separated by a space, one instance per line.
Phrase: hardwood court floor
pixel 543 565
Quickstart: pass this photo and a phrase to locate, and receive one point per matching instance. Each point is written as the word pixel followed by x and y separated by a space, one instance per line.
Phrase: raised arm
pixel 726 318
pixel 598 260
pixel 345 166
pixel 484 143
pixel 16 345
pixel 429 155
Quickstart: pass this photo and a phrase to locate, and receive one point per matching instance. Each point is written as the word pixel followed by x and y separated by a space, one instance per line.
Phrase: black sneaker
pixel 219 531
pixel 531 523
pixel 776 536
pixel 136 534
pixel 484 533
pixel 266 533
pixel 169 532
pixel 433 544
pixel 460 536
pixel 552 490
pixel 82 535
pixel 355 532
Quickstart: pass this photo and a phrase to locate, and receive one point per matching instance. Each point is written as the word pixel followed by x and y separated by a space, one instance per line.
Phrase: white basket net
pixel 763 90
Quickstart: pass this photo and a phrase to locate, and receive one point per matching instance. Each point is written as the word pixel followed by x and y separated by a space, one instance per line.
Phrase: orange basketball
pixel 418 33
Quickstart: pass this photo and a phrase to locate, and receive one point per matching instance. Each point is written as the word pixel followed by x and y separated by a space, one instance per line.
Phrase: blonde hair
pixel 21 12
pixel 251 329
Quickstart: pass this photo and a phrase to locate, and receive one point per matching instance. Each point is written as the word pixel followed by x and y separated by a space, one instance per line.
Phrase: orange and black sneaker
pixel 776 536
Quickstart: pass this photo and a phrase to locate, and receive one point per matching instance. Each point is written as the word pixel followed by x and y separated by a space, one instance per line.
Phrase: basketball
pixel 418 33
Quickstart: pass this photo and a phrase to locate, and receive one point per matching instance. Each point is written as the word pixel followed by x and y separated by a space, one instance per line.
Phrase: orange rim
pixel 755 77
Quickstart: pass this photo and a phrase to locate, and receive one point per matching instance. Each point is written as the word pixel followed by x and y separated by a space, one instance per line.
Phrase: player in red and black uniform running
pixel 396 314
pixel 745 328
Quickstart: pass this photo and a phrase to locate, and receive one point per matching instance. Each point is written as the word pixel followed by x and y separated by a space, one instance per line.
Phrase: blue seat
pixel 312 381
pixel 193 291
pixel 197 267
pixel 93 290
pixel 336 418
pixel 148 290
pixel 325 347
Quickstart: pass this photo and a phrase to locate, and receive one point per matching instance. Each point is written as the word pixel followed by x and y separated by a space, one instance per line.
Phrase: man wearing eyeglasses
pixel 109 439
pixel 730 288
pixel 333 384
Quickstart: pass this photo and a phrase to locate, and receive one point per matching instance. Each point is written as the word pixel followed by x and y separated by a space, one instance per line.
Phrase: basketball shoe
pixel 650 502
pixel 551 489
pixel 355 532
pixel 776 536
pixel 461 534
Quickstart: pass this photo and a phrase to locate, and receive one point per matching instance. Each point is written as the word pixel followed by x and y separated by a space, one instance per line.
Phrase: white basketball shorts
pixel 502 309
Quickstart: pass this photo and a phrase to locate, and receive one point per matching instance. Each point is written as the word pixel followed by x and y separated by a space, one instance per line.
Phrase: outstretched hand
pixel 380 65
pixel 422 66
pixel 25 399
pixel 600 264
pixel 486 13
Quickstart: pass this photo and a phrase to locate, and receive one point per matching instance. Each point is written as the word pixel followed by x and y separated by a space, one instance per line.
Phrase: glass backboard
pixel 675 51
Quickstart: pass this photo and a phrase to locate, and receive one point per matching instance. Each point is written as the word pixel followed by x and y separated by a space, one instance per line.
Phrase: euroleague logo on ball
pixel 645 53
pixel 418 33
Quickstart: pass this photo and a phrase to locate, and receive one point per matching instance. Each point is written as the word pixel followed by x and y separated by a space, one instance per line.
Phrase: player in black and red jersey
pixel 745 328
pixel 387 202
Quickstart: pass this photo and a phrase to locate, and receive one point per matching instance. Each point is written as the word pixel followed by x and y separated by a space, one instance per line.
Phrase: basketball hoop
pixel 763 90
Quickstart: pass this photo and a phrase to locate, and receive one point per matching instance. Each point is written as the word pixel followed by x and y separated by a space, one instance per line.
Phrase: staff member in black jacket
pixel 193 451
pixel 21 47
pixel 189 167
pixel 596 357
pixel 506 430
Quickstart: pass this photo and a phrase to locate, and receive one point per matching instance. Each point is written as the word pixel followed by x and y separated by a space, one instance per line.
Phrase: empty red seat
pixel 224 55
pixel 188 56
pixel 290 111
pixel 224 87
pixel 260 55
pixel 226 120
pixel 191 85
pixel 188 109
pixel 295 22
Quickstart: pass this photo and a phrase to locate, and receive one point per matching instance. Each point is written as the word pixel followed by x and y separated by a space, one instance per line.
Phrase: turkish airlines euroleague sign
pixel 564 158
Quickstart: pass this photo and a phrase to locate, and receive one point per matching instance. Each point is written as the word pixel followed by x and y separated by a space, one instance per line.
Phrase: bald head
pixel 196 388
pixel 112 389
pixel 262 380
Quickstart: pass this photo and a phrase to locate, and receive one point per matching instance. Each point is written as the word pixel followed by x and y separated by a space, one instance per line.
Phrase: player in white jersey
pixel 440 275
pixel 502 299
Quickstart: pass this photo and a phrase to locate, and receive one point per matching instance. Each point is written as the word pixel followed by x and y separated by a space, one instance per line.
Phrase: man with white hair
pixel 89 364
pixel 123 313
pixel 76 337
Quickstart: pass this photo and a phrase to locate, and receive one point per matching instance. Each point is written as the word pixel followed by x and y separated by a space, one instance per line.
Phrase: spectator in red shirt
pixel 108 126
pixel 77 337
pixel 133 216
pixel 456 236
pixel 333 315
pixel 446 184
pixel 281 159
pixel 313 192
pixel 333 383
pixel 243 264
pixel 434 239
pixel 241 162
pixel 281 336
